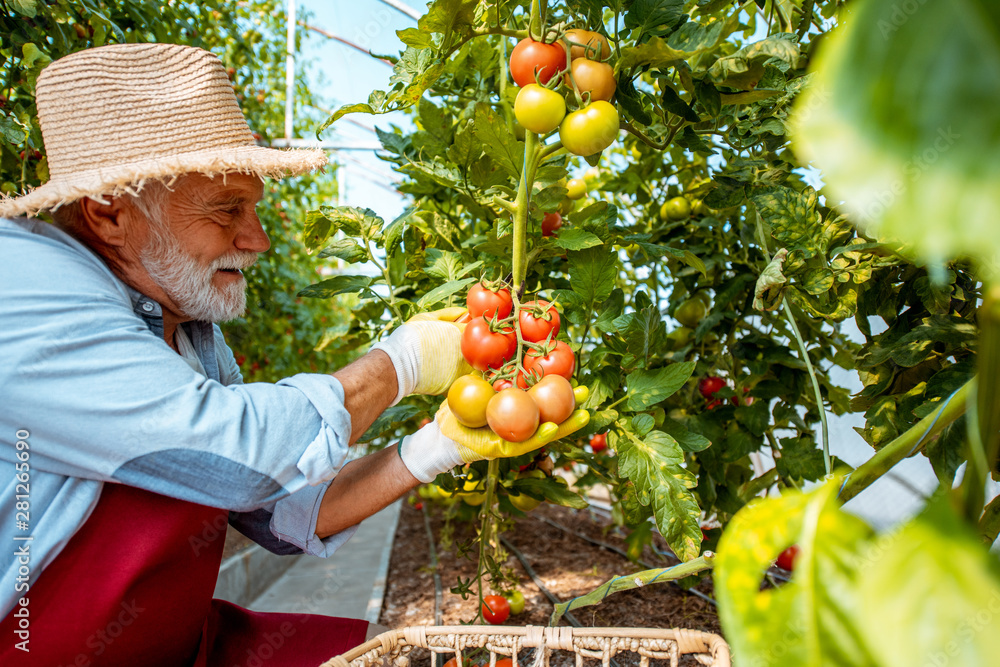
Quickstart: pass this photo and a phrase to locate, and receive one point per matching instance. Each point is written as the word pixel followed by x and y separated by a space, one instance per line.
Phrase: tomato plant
pixel 496 609
pixel 706 201
pixel 588 44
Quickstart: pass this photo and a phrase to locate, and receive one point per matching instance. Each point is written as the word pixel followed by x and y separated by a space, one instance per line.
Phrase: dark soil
pixel 567 565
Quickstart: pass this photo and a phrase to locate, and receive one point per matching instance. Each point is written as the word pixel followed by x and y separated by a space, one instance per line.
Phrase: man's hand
pixel 476 444
pixel 426 352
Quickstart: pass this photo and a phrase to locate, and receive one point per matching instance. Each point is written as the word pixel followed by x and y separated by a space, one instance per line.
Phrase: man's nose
pixel 251 236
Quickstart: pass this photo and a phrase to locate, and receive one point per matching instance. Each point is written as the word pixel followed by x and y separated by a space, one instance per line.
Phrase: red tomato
pixel 530 58
pixel 484 302
pixel 599 442
pixel 418 506
pixel 589 130
pixel 709 385
pixel 484 348
pixel 786 559
pixel 560 361
pixel 538 319
pixel 551 224
pixel 747 400
pixel 504 662
pixel 553 395
pixel 512 415
pixel 500 385
pixel 714 403
pixel 496 609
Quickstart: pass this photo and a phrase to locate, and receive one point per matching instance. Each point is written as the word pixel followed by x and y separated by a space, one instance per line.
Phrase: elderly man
pixel 125 425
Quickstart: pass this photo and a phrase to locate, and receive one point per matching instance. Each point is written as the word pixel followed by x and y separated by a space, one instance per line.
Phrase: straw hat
pixel 116 116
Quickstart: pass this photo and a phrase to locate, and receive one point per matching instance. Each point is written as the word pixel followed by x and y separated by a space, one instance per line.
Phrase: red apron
pixel 134 587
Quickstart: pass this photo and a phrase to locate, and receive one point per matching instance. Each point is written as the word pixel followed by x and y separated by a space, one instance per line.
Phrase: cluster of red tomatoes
pixel 580 57
pixel 512 399
pixel 709 386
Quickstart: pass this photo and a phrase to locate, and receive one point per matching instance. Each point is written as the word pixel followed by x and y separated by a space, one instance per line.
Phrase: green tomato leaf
pixel 898 129
pixel 572 238
pixel 800 459
pixel 338 285
pixel 442 292
pixel 647 388
pixel 745 68
pixel 390 419
pixel 593 272
pixel 345 249
pixel 25 7
pixel 689 442
pixel 814 617
pixel 492 133
pixel 654 464
pixel 940 587
pixel 647 15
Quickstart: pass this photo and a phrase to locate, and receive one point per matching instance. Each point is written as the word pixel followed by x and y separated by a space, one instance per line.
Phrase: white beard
pixel 188 283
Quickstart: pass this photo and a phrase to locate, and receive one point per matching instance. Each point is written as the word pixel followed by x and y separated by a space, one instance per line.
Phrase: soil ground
pixel 567 565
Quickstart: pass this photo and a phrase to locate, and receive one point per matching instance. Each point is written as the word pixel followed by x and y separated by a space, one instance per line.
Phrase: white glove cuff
pixel 428 453
pixel 403 348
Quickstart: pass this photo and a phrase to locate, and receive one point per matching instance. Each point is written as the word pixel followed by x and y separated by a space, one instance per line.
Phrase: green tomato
pixel 539 109
pixel 576 188
pixel 470 495
pixel 691 312
pixel 524 502
pixel 680 337
pixel 589 130
pixel 516 600
pixel 677 208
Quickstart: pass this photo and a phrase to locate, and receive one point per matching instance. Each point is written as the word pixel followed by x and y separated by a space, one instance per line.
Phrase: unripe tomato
pixel 484 348
pixel 566 206
pixel 516 600
pixel 596 78
pixel 496 609
pixel 512 415
pixel 710 385
pixel 677 208
pixel 589 130
pixel 576 188
pixel 530 58
pixel 691 313
pixel 593 45
pixel 467 399
pixel 484 302
pixel 786 559
pixel 551 224
pixel 471 495
pixel 538 321
pixel 680 336
pixel 598 442
pixel 523 502
pixel 553 395
pixel 560 361
pixel 539 109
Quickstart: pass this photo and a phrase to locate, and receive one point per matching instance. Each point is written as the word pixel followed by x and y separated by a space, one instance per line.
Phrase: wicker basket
pixel 595 643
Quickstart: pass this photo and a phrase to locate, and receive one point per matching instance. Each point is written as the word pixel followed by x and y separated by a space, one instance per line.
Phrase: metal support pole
pixel 290 72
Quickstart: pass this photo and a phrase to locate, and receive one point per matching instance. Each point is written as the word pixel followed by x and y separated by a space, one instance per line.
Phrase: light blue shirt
pixel 85 371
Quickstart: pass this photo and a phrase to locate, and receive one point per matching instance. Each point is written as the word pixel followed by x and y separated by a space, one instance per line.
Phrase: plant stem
pixel 521 205
pixel 388 281
pixel 989 523
pixel 824 430
pixel 630 581
pixel 906 444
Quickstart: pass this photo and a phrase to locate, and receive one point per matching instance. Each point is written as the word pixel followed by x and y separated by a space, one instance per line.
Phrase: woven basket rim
pixel 688 641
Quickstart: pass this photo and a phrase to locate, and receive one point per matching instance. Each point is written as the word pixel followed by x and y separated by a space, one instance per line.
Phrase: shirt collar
pixel 143 305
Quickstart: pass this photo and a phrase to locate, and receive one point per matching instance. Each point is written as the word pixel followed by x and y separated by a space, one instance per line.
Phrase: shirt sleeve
pixel 106 399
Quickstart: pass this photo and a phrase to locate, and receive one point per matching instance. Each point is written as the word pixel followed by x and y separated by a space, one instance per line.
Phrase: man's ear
pixel 105 221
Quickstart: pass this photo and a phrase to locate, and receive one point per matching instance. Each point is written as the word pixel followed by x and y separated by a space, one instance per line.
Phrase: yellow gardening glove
pixel 476 444
pixel 426 352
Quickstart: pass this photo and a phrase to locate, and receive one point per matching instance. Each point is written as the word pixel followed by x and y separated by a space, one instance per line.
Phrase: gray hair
pixel 149 201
